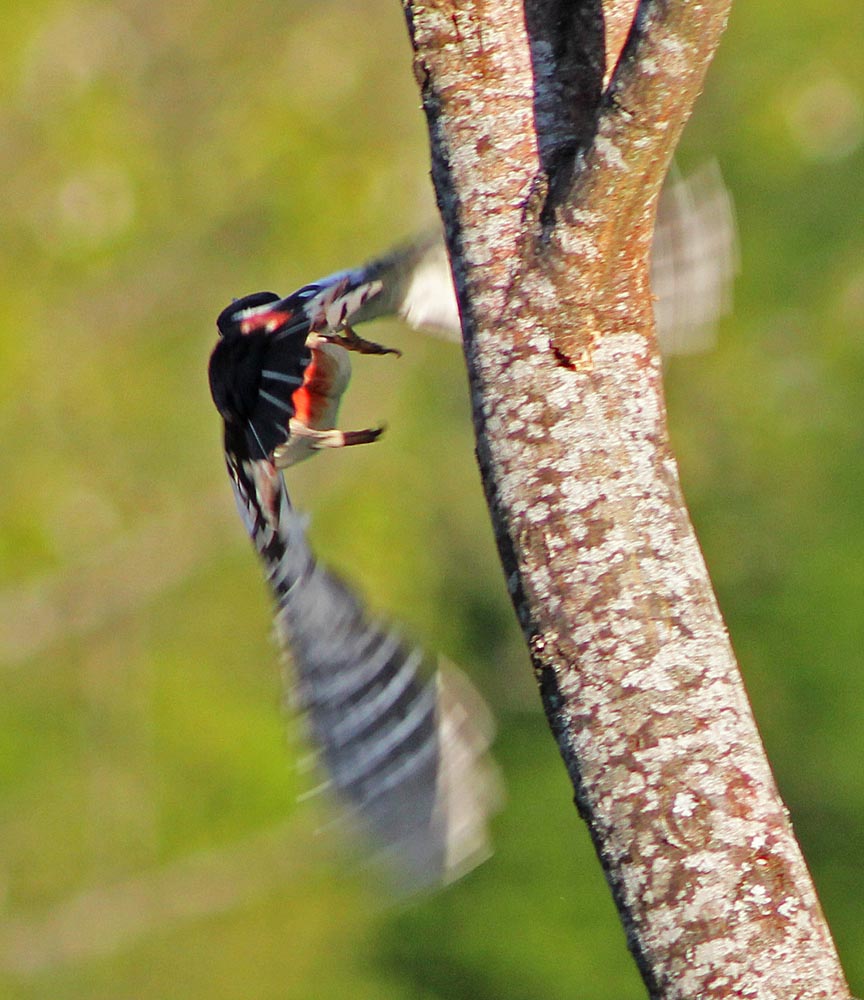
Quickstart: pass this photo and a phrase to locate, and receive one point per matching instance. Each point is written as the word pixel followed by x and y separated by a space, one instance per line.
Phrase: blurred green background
pixel 158 159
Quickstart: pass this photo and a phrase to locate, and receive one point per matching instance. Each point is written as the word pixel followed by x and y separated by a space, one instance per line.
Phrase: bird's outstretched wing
pixel 288 357
pixel 694 259
pixel 403 746
pixel 404 749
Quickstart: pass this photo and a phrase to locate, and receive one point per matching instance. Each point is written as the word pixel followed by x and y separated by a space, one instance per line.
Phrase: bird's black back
pixel 257 366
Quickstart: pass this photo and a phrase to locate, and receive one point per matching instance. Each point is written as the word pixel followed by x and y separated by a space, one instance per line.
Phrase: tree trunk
pixel 547 159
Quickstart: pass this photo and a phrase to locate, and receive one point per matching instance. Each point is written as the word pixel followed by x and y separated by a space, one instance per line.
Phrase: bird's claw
pixel 351 341
pixel 312 439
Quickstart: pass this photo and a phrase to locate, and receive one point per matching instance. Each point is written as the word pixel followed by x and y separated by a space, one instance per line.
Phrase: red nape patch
pixel 268 321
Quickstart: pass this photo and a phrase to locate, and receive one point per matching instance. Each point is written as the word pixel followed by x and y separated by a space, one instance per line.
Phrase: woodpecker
pixel 404 748
pixel 403 745
pixel 280 367
pixel 282 364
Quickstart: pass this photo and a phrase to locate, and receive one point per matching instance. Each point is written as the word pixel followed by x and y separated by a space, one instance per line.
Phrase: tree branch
pixel 547 184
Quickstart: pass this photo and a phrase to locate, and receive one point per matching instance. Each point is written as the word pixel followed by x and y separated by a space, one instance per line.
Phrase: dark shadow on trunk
pixel 567 53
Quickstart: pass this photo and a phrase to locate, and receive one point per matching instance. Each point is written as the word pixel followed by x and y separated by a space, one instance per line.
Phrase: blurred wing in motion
pixel 288 357
pixel 405 749
pixel 415 284
pixel 694 260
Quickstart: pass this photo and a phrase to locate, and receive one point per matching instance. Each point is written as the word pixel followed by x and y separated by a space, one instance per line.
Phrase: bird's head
pixel 252 312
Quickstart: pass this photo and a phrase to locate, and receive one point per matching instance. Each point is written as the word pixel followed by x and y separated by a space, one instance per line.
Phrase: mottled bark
pixel 547 180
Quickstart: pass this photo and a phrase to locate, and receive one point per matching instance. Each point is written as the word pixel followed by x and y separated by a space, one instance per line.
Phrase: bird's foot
pixel 348 339
pixel 304 439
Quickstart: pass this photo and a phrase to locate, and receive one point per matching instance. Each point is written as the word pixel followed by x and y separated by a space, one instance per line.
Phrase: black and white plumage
pixel 694 259
pixel 282 365
pixel 403 746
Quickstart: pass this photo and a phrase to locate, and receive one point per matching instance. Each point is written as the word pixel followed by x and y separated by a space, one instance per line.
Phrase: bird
pixel 404 745
pixel 282 364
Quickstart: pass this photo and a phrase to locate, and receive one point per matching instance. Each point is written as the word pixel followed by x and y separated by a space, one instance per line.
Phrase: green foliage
pixel 159 159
